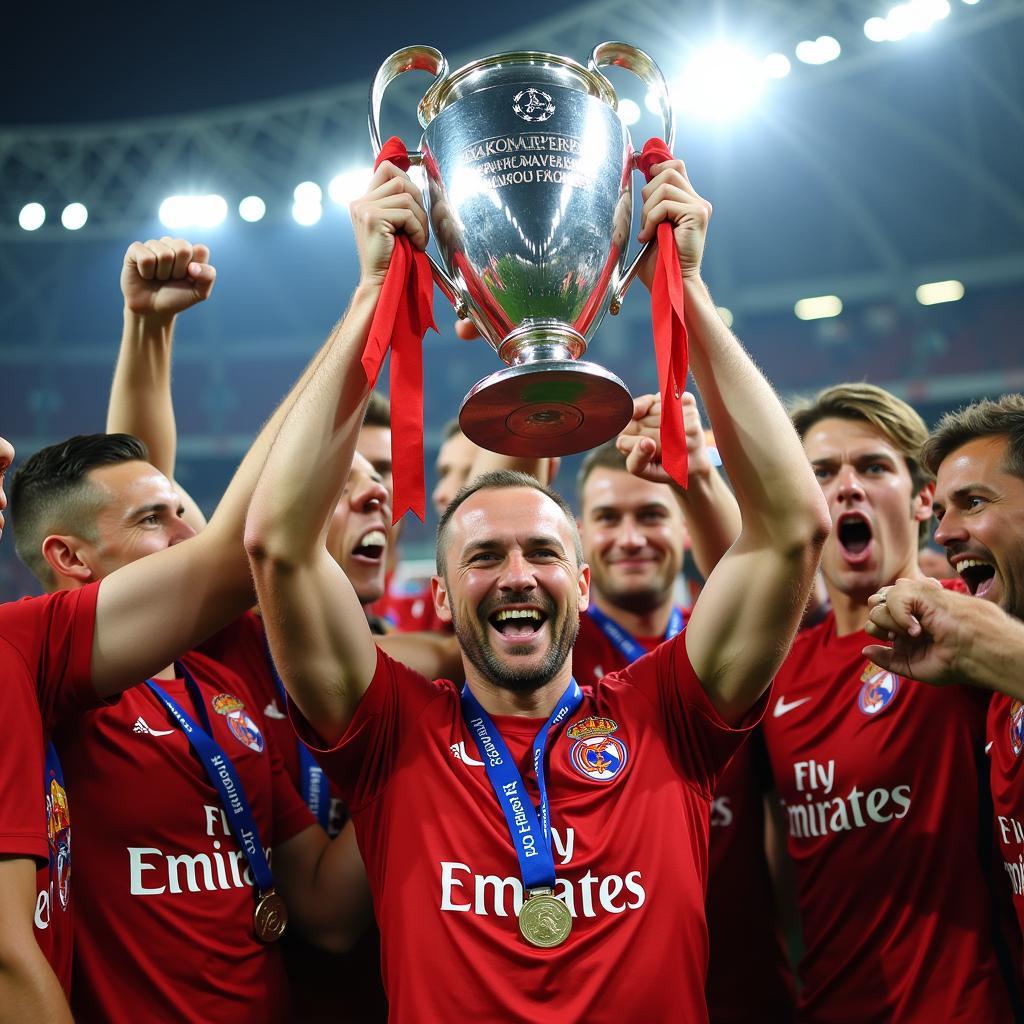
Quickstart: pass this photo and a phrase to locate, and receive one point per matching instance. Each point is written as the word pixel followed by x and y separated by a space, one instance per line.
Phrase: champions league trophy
pixel 528 172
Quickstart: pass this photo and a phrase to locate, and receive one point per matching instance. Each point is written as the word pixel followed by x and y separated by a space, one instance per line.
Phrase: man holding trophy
pixel 522 835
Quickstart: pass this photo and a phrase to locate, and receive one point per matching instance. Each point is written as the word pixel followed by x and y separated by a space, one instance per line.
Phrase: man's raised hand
pixel 391 205
pixel 162 277
pixel 640 441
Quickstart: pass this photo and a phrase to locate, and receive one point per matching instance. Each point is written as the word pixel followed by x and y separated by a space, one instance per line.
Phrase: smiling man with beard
pixel 876 773
pixel 946 638
pixel 607 877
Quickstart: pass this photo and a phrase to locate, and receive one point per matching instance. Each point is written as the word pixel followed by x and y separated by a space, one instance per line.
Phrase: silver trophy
pixel 528 184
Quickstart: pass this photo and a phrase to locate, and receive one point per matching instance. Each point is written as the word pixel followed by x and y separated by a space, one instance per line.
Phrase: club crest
pixel 225 703
pixel 597 754
pixel 58 829
pixel 242 727
pixel 878 688
pixel 1016 726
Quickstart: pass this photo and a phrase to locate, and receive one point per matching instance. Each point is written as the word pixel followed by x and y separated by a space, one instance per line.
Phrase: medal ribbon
pixel 530 831
pixel 670 347
pixel 222 775
pixel 314 787
pixel 404 312
pixel 622 641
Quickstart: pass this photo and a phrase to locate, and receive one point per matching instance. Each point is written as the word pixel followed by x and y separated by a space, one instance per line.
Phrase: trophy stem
pixel 536 339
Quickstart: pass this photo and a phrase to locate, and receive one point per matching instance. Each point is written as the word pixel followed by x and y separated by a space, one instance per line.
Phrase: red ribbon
pixel 404 312
pixel 669 330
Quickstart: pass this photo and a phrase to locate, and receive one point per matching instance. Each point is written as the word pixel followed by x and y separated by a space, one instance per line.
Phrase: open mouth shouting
pixel 371 546
pixel 978 574
pixel 518 625
pixel 854 535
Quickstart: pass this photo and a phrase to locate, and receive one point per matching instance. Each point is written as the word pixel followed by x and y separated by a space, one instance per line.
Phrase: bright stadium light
pixel 252 209
pixel 308 192
pixel 726 314
pixel 776 65
pixel 348 186
pixel 178 212
pixel 818 51
pixel 629 111
pixel 939 291
pixel 652 103
pixel 307 212
pixel 721 82
pixel 74 216
pixel 877 30
pixel 32 216
pixel 210 211
pixel 818 307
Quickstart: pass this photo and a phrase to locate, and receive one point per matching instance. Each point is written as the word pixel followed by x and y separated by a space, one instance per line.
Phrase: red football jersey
pixel 45 668
pixel 343 989
pixel 748 973
pixel 630 776
pixel 877 779
pixel 164 928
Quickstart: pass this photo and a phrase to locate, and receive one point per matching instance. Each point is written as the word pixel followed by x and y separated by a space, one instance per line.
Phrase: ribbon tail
pixel 670 345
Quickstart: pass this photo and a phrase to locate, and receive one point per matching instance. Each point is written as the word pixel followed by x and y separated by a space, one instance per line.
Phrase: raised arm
pixel 318 634
pixel 744 620
pixel 160 278
pixel 709 507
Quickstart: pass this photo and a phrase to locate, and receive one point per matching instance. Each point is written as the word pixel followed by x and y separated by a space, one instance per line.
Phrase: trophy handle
pixel 613 54
pixel 414 58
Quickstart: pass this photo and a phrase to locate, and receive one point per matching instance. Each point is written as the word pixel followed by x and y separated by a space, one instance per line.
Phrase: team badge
pixel 878 688
pixel 597 754
pixel 1017 726
pixel 242 727
pixel 533 105
pixel 58 830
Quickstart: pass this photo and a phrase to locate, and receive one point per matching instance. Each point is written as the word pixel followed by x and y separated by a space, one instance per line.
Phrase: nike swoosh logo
pixel 988 746
pixel 459 750
pixel 143 728
pixel 782 708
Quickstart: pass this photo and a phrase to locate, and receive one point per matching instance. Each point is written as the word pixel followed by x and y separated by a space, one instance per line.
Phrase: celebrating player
pixel 946 638
pixel 876 774
pixel 624 780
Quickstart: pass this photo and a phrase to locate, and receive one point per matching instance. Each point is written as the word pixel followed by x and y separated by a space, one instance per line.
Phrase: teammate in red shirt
pixel 630 766
pixel 633 531
pixel 943 637
pixel 875 772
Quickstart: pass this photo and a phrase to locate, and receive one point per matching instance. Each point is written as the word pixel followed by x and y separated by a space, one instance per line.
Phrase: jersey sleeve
pixel 703 743
pixel 22 812
pixel 361 763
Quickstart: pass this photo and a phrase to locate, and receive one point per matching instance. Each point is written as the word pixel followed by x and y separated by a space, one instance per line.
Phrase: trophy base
pixel 546 409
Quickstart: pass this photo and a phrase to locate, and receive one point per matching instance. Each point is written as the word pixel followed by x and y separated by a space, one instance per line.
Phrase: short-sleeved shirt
pixel 164 928
pixel 878 780
pixel 45 673
pixel 748 973
pixel 630 776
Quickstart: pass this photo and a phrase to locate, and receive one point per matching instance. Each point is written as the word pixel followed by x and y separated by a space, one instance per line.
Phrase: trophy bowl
pixel 528 186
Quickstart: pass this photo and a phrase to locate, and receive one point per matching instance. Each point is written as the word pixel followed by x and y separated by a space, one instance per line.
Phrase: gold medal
pixel 544 920
pixel 270 917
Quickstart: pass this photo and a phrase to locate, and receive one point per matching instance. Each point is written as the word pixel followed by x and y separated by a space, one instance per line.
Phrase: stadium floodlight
pixel 726 314
pixel 776 65
pixel 970 2
pixel 653 103
pixel 720 82
pixel 629 111
pixel 207 211
pixel 307 212
pixel 74 216
pixel 818 307
pixel 349 185
pixel 252 209
pixel 877 30
pixel 939 291
pixel 308 192
pixel 818 51
pixel 32 216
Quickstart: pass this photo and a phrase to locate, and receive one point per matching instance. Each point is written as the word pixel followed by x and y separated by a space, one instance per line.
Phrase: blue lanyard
pixel 623 642
pixel 223 775
pixel 313 782
pixel 531 835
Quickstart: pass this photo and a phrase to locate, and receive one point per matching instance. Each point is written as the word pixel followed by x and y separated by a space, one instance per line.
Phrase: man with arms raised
pixel 446 840
pixel 633 526
pixel 946 638
pixel 875 773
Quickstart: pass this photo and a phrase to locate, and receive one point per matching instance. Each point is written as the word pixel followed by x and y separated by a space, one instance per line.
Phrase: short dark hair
pixel 51 492
pixel 501 479
pixel 897 420
pixel 1003 417
pixel 604 456
pixel 378 411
